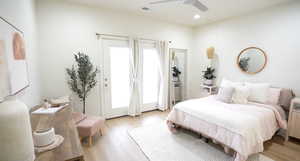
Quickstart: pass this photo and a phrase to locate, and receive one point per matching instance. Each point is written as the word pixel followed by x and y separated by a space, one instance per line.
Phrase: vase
pixel 15 132
pixel 208 82
pixel 175 79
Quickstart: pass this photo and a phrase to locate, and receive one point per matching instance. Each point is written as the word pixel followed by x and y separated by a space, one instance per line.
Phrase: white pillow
pixel 228 83
pixel 240 95
pixel 259 92
pixel 273 97
pixel 225 94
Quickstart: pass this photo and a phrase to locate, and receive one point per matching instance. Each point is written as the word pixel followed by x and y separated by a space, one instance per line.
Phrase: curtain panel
pixel 135 103
pixel 163 56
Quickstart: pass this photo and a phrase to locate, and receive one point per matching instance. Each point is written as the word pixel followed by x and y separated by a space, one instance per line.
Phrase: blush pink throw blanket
pixel 242 127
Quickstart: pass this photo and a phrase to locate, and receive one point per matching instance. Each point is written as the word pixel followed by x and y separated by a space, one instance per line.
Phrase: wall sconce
pixel 210 52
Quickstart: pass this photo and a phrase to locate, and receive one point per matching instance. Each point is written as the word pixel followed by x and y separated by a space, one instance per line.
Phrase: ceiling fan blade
pixel 164 1
pixel 199 5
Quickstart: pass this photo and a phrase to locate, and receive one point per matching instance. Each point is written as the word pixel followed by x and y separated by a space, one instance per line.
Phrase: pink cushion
pixel 90 126
pixel 78 116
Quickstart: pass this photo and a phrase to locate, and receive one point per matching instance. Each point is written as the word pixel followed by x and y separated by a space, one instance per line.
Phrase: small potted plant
pixel 176 73
pixel 209 76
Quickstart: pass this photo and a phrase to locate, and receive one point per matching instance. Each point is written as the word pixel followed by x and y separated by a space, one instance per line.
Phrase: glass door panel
pixel 150 78
pixel 119 73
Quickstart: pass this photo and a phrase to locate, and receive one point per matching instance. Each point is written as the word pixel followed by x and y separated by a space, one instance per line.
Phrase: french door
pixel 116 76
pixel 116 58
pixel 151 78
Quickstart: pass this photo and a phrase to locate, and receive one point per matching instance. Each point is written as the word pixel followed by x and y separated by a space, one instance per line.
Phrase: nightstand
pixel 294 120
pixel 211 89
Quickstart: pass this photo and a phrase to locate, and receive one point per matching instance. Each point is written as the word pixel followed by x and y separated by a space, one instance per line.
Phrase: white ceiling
pixel 177 12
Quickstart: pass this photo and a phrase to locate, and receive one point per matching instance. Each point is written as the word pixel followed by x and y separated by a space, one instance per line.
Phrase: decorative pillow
pixel 286 95
pixel 273 97
pixel 259 92
pixel 228 83
pixel 241 94
pixel 225 94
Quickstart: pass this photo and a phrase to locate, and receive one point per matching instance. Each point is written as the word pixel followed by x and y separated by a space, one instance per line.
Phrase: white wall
pixel 275 30
pixel 21 13
pixel 65 29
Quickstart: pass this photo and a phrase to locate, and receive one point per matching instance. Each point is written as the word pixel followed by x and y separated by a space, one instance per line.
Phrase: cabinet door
pixel 295 124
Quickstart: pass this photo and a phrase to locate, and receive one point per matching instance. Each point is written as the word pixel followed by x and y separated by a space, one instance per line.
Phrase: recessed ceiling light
pixel 196 16
pixel 145 8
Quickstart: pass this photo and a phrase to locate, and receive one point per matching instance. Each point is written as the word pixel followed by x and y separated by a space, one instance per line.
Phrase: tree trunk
pixel 84 97
pixel 83 105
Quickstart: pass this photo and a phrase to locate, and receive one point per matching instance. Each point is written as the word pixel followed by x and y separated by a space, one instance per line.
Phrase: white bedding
pixel 243 127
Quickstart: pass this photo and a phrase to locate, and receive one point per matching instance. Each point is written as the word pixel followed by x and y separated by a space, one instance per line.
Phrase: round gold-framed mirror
pixel 252 60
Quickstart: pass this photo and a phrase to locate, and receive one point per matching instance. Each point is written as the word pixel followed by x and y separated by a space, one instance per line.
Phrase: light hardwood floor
pixel 116 144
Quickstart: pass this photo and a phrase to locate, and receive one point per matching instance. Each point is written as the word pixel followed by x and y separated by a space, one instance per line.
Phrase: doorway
pixel 116 76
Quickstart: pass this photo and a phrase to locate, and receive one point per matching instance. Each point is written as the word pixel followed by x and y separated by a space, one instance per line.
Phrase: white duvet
pixel 243 127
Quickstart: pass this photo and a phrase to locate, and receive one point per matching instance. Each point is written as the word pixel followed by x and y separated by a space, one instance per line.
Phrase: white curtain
pixel 163 55
pixel 135 103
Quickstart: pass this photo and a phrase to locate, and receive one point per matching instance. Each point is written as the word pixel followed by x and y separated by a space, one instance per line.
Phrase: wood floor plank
pixel 117 145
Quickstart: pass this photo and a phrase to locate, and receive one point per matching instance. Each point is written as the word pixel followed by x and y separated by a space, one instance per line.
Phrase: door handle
pixel 105 85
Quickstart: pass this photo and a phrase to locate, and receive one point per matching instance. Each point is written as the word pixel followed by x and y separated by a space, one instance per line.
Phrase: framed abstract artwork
pixel 13 65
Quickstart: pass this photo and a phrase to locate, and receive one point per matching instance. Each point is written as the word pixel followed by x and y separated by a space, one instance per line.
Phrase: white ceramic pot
pixel 15 132
pixel 44 138
pixel 208 82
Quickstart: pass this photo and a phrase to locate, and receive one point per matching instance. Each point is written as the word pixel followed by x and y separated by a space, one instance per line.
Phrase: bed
pixel 240 127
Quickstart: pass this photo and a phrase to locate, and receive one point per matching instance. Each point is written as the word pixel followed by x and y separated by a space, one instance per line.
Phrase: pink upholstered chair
pixel 88 126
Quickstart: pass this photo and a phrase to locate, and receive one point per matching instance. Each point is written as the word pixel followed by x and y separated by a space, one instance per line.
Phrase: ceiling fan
pixel 194 3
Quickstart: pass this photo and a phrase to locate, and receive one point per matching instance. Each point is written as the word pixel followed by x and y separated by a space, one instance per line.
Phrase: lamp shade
pixel 15 132
pixel 210 52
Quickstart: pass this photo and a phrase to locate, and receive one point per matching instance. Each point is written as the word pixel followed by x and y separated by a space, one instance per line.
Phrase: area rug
pixel 159 144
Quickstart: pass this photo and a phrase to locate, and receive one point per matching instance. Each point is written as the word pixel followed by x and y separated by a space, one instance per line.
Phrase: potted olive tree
pixel 82 77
